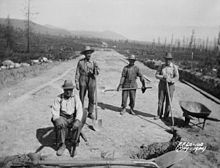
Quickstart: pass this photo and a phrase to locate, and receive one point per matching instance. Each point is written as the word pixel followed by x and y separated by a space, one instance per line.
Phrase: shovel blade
pixel 170 158
pixel 97 124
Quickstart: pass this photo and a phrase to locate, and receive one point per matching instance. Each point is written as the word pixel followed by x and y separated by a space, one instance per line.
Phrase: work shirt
pixel 86 68
pixel 67 107
pixel 129 76
pixel 171 71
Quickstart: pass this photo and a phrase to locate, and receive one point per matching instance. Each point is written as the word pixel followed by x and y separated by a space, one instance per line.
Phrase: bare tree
pixel 29 13
pixel 218 45
pixel 192 39
pixel 9 34
pixel 165 43
pixel 28 28
pixel 171 44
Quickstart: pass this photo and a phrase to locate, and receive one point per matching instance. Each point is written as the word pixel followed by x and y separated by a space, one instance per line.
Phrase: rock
pixel 8 63
pixel 17 65
pixel 25 64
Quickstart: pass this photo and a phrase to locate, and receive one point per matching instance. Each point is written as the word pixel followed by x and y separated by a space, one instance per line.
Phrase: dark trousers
pixel 163 97
pixel 67 125
pixel 131 94
pixel 87 83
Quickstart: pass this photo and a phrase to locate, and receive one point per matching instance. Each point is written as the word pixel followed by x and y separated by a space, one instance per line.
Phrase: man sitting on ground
pixel 67 109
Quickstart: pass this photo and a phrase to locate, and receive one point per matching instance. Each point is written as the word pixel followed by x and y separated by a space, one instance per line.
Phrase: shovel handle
pixel 170 103
pixel 96 99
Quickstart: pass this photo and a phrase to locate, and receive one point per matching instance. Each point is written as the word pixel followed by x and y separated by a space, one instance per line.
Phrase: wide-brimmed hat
pixel 132 57
pixel 68 84
pixel 87 50
pixel 168 56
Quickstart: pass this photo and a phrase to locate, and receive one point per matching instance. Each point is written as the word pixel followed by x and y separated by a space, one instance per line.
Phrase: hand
pixel 119 87
pixel 76 124
pixel 77 86
pixel 165 76
pixel 169 80
pixel 96 69
pixel 58 123
pixel 143 89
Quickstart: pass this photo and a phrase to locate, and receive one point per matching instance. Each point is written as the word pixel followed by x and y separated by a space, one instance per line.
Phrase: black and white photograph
pixel 109 83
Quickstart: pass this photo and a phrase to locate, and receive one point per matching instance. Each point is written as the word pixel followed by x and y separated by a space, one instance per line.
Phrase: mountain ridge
pixel 53 30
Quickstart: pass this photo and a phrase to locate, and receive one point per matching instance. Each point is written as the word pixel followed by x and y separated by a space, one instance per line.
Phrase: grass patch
pixel 12 76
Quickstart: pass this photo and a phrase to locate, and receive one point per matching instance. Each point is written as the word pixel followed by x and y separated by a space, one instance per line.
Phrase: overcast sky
pixel 135 19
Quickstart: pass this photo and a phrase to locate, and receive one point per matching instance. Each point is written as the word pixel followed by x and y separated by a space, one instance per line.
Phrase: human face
pixel 168 61
pixel 131 62
pixel 68 93
pixel 88 55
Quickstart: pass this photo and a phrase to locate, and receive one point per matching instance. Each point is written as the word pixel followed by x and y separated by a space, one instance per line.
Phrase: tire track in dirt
pixel 34 91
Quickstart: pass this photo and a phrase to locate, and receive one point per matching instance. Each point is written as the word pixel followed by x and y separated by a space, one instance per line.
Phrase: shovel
pixel 170 158
pixel 96 123
pixel 170 103
pixel 164 161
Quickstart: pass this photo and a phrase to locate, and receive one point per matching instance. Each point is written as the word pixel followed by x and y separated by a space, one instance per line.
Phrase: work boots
pixel 132 111
pixel 61 149
pixel 123 111
pixel 91 116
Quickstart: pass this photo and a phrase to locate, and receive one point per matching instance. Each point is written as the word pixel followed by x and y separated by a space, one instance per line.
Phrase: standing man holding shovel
pixel 85 79
pixel 167 74
pixel 128 81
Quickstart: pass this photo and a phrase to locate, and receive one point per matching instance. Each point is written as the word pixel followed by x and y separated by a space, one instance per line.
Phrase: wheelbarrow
pixel 193 110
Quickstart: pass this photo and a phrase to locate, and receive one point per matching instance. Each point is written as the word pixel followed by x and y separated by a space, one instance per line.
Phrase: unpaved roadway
pixel 25 116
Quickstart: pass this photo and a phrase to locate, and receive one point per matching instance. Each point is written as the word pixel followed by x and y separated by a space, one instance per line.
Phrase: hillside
pixel 103 35
pixel 52 30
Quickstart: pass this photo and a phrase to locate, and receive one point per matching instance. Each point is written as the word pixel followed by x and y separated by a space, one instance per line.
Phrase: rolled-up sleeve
pixel 158 74
pixel 176 74
pixel 79 109
pixel 123 75
pixel 140 75
pixel 55 110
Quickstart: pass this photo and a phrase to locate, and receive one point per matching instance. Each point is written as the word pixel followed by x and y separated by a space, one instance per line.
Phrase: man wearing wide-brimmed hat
pixel 128 81
pixel 85 79
pixel 67 110
pixel 168 74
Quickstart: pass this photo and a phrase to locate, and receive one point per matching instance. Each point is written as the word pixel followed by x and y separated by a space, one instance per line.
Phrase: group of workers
pixel 68 108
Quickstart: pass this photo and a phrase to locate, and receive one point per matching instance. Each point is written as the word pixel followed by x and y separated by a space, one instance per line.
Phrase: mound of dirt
pixel 157 149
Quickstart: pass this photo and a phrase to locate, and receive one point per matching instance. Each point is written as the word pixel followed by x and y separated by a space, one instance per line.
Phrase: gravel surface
pixel 25 116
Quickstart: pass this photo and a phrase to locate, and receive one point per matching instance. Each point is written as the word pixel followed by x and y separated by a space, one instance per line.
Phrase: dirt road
pixel 25 116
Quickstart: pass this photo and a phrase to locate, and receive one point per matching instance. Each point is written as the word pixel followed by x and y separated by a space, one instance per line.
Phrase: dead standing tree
pixel 28 29
pixel 191 46
pixel 9 34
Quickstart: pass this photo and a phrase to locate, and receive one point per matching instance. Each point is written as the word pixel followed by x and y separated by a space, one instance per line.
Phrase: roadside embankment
pixel 12 76
pixel 206 83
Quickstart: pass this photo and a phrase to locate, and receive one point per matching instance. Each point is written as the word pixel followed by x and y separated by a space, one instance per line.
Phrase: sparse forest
pixel 13 45
pixel 204 60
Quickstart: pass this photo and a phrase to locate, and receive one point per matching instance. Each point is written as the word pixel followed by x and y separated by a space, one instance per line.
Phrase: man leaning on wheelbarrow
pixel 168 74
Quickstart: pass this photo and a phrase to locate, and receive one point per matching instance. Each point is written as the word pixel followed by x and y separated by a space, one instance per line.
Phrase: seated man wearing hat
pixel 128 81
pixel 167 74
pixel 67 109
pixel 85 79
